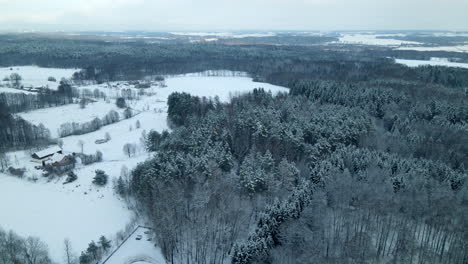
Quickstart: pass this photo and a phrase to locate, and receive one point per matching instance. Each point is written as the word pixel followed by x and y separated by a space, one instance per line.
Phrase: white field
pixel 459 48
pixel 12 90
pixel 224 34
pixel 450 34
pixel 195 84
pixel 53 211
pixel 371 39
pixel 433 62
pixel 68 113
pixel 37 76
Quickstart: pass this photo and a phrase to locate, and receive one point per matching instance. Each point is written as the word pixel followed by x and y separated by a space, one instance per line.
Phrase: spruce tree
pixel 100 178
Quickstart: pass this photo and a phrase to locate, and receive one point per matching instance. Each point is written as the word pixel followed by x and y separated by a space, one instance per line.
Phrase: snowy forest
pixel 362 161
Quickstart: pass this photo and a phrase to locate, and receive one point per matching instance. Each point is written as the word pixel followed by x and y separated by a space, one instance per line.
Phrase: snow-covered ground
pixel 371 39
pixel 209 86
pixel 37 76
pixel 52 118
pixel 459 48
pixel 12 90
pixel 135 250
pixel 195 84
pixel 433 62
pixel 53 211
pixel 224 34
pixel 80 210
pixel 450 34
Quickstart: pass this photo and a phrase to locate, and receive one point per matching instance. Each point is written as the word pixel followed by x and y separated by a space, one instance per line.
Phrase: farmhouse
pixel 58 159
pixel 46 153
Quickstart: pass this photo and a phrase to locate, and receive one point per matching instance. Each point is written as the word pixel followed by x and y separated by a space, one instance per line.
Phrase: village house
pixel 43 154
pixel 58 159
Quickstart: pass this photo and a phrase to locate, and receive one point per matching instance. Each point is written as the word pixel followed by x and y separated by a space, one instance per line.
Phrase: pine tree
pixel 100 178
pixel 92 249
pixel 84 258
pixel 120 102
pixel 128 113
pixel 120 186
pixel 104 243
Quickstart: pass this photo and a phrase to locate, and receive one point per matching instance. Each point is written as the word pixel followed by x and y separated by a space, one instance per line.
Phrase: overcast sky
pixel 168 15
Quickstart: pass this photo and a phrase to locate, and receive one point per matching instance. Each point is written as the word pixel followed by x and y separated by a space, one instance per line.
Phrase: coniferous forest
pixel 362 161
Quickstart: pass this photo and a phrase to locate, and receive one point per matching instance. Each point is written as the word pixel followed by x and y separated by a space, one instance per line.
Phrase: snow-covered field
pixel 53 211
pixel 37 76
pixel 209 86
pixel 459 48
pixel 224 34
pixel 12 90
pixel 433 62
pixel 371 39
pixel 80 210
pixel 68 113
pixel 195 84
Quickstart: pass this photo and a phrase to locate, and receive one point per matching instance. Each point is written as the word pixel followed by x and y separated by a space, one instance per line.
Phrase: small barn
pixel 46 153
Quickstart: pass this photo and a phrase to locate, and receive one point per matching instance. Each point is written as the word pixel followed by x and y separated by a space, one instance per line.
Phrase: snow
pixel 135 251
pixel 52 118
pixel 57 157
pixel 450 34
pixel 224 34
pixel 12 90
pixel 209 86
pixel 80 210
pixel 433 62
pixel 458 48
pixel 66 209
pixel 201 84
pixel 48 151
pixel 53 212
pixel 37 76
pixel 371 39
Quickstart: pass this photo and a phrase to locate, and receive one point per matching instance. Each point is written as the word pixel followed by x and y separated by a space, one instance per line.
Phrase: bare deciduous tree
pixel 129 149
pixel 81 144
pixel 69 256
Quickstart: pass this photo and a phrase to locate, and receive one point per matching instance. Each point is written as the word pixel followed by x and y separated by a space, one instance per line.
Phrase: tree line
pixel 16 249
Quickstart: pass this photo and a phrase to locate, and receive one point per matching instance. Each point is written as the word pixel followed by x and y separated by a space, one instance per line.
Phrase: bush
pixel 17 172
pixel 143 85
pixel 120 102
pixel 71 177
pixel 128 113
pixel 100 178
pixel 51 79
